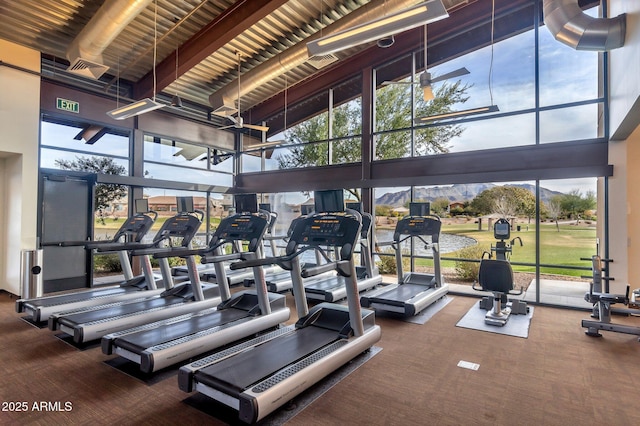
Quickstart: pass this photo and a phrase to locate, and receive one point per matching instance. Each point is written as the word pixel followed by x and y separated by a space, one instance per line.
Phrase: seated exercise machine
pixel 246 313
pixel 258 376
pixel 176 234
pixel 602 300
pixel 414 291
pixel 496 275
pixel 133 230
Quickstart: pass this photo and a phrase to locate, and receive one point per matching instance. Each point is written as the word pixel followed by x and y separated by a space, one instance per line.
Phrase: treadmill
pixel 243 314
pixel 258 376
pixel 279 280
pixel 90 324
pixel 332 289
pixel 244 203
pixel 414 291
pixel 133 229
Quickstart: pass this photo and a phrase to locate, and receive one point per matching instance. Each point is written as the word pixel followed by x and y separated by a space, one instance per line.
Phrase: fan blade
pixel 233 119
pixel 226 127
pixel 456 73
pixel 387 83
pixel 255 127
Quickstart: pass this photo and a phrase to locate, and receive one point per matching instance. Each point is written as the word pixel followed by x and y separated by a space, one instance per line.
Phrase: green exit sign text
pixel 67 105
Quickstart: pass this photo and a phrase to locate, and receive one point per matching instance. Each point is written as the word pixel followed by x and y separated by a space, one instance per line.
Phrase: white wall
pixel 624 151
pixel 19 130
pixel 624 78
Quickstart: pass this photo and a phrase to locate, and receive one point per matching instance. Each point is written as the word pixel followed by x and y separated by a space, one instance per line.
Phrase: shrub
pixel 387 264
pixel 468 271
pixel 107 263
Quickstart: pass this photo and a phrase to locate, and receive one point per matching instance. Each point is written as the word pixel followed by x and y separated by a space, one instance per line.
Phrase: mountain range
pixel 457 192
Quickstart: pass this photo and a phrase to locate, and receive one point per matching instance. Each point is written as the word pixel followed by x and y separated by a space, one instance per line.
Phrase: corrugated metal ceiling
pixel 51 25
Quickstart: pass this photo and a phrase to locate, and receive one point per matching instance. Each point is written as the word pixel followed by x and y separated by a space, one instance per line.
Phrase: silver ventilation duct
pixel 223 100
pixel 571 26
pixel 85 51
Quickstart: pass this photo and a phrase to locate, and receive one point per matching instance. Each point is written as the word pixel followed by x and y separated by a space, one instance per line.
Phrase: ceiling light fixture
pixel 466 112
pixel 429 11
pixel 457 114
pixel 147 104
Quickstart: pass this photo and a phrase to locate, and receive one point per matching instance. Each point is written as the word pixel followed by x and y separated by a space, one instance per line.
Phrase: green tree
pixel 505 200
pixel 105 194
pixel 393 111
pixel 574 204
pixel 440 206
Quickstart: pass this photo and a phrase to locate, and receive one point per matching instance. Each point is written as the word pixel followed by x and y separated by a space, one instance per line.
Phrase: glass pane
pixel 347 119
pixel 567 124
pixel 393 101
pixel 168 151
pixel 295 156
pixel 390 205
pixel 393 145
pixel 566 74
pixel 163 202
pixel 54 159
pixel 346 151
pixel 393 106
pixel 567 234
pixel 515 130
pixel 63 136
pixel 182 174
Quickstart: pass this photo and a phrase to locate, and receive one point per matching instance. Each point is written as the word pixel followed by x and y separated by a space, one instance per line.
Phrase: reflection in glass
pixel 569 124
pixel 515 130
pixel 182 174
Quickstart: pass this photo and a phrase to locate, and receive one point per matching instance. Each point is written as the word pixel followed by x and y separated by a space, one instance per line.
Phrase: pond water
pixel 448 242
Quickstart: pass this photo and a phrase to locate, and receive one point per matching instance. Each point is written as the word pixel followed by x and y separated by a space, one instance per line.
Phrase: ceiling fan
pixel 425 79
pixel 238 121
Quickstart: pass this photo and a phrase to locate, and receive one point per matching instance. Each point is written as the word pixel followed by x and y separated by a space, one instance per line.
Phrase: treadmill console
pixel 135 228
pixel 418 225
pixel 183 226
pixel 327 230
pixel 245 227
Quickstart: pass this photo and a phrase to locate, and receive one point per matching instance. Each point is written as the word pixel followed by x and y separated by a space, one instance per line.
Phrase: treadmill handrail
pixel 319 269
pixel 282 261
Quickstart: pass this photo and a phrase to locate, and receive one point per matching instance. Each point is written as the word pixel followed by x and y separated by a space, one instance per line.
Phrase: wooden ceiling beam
pixel 220 31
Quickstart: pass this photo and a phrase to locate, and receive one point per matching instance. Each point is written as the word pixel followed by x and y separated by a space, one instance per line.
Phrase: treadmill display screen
pixel 419 209
pixel 417 226
pixel 141 205
pixel 330 201
pixel 246 203
pixel 185 204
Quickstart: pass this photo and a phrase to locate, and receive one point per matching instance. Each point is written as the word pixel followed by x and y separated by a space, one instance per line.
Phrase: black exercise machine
pixel 602 300
pixel 495 275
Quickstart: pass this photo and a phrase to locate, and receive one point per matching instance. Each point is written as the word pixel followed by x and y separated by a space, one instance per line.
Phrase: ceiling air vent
pixel 87 68
pixel 321 61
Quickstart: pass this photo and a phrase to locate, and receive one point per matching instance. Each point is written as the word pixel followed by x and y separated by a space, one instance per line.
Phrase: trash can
pixel 31 273
pixel 518 228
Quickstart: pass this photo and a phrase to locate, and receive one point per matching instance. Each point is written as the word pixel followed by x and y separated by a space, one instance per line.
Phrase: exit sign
pixel 67 105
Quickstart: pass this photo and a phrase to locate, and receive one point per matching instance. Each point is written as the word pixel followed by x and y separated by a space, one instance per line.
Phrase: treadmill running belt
pixel 114 311
pixel 138 342
pixel 77 297
pixel 240 371
pixel 325 284
pixel 399 295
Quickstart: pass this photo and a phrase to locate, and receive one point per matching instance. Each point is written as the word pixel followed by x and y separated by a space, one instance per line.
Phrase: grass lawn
pixel 564 247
